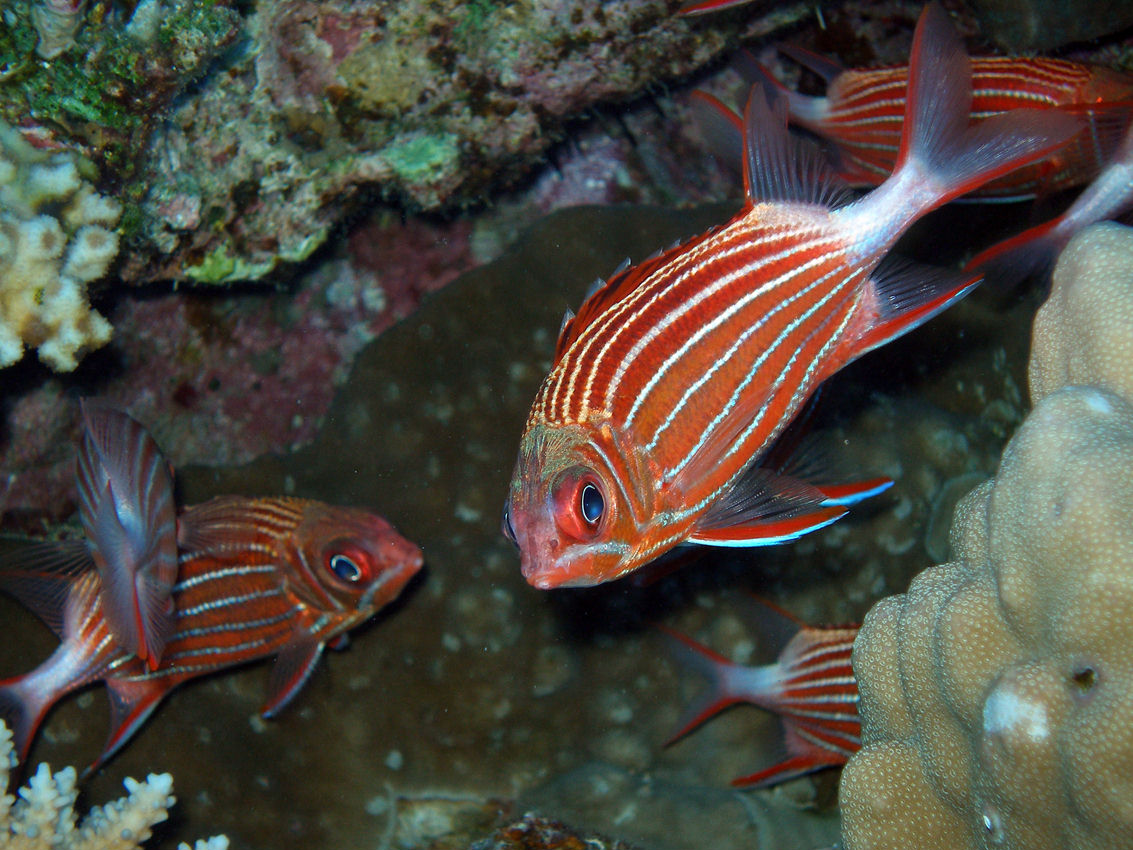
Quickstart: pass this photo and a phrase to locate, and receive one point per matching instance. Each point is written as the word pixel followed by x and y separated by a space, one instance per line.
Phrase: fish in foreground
pixel 863 110
pixel 126 506
pixel 1034 251
pixel 257 577
pixel 811 686
pixel 678 375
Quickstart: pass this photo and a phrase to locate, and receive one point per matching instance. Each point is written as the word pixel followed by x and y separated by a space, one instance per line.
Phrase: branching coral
pixel 43 815
pixel 56 236
pixel 995 694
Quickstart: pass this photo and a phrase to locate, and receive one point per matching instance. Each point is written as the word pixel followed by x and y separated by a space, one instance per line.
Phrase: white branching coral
pixel 56 236
pixel 42 815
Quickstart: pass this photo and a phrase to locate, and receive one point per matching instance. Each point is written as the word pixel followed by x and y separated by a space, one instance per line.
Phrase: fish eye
pixel 506 527
pixel 580 505
pixel 344 567
pixel 591 505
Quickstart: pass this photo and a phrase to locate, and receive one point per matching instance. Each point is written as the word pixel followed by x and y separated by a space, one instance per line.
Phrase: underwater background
pixel 344 283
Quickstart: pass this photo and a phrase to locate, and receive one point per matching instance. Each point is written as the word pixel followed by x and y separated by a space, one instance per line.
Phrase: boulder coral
pixel 995 694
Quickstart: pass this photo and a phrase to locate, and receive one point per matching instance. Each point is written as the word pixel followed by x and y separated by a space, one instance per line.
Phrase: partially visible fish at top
pixel 126 506
pixel 811 686
pixel 863 109
pixel 257 577
pixel 678 374
pixel 1034 251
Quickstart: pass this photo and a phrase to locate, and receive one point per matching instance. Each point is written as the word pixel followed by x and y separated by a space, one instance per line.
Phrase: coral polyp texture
pixel 56 236
pixel 41 816
pixel 995 694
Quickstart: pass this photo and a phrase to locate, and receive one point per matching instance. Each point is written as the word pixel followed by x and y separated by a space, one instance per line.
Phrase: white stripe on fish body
pixel 744 386
pixel 704 330
pixel 234 625
pixel 626 317
pixel 230 601
pixel 220 574
pixel 852 742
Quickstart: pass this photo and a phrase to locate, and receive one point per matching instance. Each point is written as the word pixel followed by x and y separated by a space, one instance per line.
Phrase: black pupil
pixel 592 504
pixel 344 568
pixel 509 532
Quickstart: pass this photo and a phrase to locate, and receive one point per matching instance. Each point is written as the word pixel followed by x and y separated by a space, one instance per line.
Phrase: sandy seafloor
pixel 477 698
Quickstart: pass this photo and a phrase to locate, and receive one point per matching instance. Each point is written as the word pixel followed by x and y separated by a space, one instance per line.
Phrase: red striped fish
pixel 863 110
pixel 678 375
pixel 811 686
pixel 1034 251
pixel 126 505
pixel 257 577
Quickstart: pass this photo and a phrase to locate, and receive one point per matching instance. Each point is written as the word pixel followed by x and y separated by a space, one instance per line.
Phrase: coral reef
pixel 428 106
pixel 56 236
pixel 994 694
pixel 43 816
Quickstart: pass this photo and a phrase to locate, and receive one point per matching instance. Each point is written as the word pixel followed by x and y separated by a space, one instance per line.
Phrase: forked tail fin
pixel 22 712
pixel 942 155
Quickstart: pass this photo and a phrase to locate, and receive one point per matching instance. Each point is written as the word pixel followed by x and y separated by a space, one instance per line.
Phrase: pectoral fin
pixel 291 670
pixel 767 507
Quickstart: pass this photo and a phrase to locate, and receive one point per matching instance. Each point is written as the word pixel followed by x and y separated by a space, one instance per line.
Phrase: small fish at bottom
pixel 811 685
pixel 257 577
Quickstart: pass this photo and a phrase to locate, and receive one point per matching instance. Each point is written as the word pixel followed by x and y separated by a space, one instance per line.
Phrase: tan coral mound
pixel 1082 334
pixel 997 694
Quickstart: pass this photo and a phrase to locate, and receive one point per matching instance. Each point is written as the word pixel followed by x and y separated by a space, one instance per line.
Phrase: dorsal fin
pixel 782 167
pixel 826 68
pixel 623 281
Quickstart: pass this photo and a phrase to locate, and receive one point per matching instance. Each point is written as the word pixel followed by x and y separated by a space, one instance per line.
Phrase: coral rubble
pixel 56 236
pixel 995 693
pixel 43 815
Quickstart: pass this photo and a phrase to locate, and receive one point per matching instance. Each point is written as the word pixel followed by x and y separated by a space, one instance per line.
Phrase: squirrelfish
pixel 1033 251
pixel 126 506
pixel 862 113
pixel 811 686
pixel 256 578
pixel 678 374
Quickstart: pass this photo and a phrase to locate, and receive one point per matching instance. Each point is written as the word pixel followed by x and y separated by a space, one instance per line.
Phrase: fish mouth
pixel 553 576
pixel 392 580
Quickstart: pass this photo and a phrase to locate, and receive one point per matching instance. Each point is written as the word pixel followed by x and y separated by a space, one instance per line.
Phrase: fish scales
pixel 695 324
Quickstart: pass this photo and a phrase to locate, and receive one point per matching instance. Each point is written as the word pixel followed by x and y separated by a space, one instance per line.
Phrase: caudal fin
pixel 22 712
pixel 714 667
pixel 947 157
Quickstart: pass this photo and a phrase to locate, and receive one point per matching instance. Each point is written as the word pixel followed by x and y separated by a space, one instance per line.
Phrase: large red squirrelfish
pixel 811 686
pixel 126 506
pixel 862 112
pixel 679 373
pixel 257 577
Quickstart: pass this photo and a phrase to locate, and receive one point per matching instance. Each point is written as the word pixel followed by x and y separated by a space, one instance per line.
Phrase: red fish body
pixel 679 374
pixel 126 505
pixel 811 686
pixel 863 110
pixel 257 578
